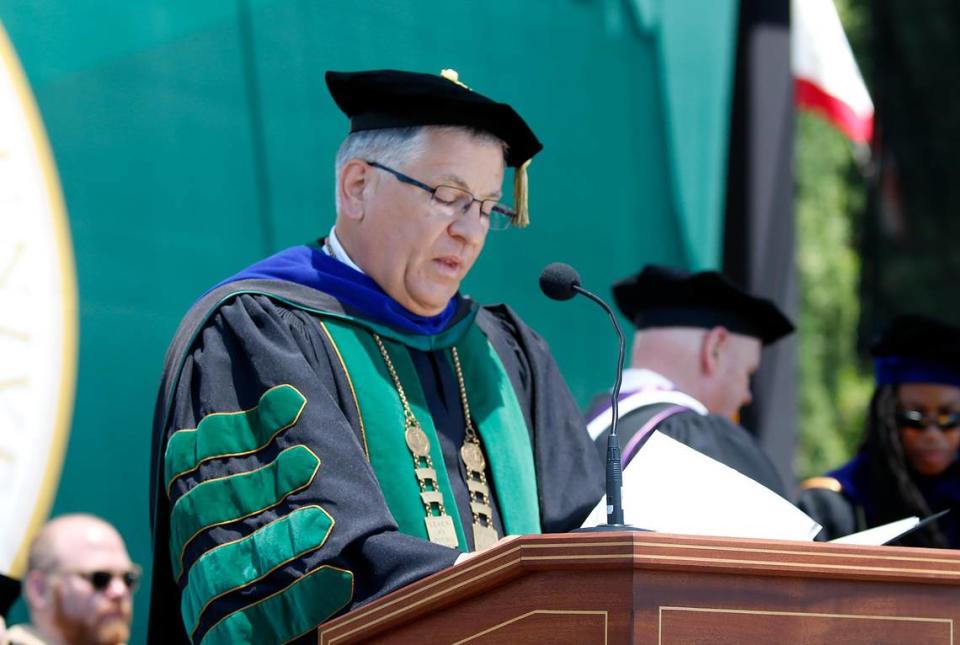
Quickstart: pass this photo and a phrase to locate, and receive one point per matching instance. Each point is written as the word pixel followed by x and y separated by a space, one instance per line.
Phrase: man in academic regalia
pixel 698 341
pixel 338 420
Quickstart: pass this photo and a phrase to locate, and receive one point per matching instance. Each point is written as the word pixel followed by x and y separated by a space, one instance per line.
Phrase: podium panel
pixel 670 590
pixel 737 626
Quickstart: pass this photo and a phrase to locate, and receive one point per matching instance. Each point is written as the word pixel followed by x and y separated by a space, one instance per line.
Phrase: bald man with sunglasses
pixel 79 585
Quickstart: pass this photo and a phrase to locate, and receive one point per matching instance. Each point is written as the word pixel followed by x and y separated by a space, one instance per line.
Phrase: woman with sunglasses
pixel 907 462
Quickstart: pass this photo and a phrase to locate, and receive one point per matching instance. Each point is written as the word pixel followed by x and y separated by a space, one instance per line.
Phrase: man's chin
pixel 113 630
pixel 432 304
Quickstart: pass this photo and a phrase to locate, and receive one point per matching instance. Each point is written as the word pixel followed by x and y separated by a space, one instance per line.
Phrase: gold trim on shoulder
pixel 828 483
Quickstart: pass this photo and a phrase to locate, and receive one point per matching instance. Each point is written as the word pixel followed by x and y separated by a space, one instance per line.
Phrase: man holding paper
pixel 338 420
pixel 698 340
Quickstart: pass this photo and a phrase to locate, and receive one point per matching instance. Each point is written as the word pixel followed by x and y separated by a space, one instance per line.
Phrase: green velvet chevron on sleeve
pixel 237 564
pixel 244 562
pixel 234 497
pixel 231 434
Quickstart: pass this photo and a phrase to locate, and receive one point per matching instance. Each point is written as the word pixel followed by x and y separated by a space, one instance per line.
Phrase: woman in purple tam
pixel 907 462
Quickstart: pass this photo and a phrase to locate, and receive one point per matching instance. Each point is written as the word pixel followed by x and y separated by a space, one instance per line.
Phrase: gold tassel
pixel 520 190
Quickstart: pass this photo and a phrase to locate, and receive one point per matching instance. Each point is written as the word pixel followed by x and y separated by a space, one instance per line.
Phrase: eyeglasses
pixel 100 580
pixel 455 202
pixel 916 420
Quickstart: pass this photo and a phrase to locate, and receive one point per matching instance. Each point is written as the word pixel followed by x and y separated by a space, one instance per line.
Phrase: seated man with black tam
pixel 338 420
pixel 697 343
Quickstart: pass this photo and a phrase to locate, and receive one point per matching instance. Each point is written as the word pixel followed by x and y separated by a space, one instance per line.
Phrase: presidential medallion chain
pixel 440 527
pixel 484 532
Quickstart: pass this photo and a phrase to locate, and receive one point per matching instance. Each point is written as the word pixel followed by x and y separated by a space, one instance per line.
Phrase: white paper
pixel 671 488
pixel 879 534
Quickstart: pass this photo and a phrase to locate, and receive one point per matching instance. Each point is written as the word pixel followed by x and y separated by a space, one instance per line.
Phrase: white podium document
pixel 880 534
pixel 671 488
pixel 887 533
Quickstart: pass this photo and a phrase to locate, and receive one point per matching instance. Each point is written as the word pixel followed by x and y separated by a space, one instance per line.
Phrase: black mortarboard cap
pixel 912 336
pixel 917 349
pixel 387 98
pixel 662 296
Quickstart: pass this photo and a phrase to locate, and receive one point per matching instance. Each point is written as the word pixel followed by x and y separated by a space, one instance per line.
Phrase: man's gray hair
pixel 395 147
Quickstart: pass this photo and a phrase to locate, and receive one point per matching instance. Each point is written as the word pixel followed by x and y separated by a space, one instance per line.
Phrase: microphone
pixel 561 281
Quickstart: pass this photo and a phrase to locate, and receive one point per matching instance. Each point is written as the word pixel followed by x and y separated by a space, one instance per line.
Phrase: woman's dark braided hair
pixel 889 474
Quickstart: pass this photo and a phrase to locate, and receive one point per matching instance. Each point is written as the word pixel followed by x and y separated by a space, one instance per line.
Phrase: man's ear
pixel 714 343
pixel 36 588
pixel 352 185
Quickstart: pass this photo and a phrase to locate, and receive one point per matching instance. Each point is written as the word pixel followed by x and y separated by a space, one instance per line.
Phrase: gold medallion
pixel 440 530
pixel 417 440
pixel 472 456
pixel 484 537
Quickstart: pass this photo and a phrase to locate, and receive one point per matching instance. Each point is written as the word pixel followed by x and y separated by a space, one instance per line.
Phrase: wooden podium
pixel 670 589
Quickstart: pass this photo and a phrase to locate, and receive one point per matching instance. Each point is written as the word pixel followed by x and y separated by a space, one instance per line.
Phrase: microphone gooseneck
pixel 562 282
pixel 614 468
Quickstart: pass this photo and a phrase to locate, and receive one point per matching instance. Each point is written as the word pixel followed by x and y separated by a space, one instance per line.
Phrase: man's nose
pixel 117 588
pixel 471 224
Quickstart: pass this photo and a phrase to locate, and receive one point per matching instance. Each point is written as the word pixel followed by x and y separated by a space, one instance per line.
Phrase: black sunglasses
pixel 100 580
pixel 916 420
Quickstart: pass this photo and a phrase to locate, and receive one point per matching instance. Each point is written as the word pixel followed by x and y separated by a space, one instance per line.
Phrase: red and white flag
pixel 826 77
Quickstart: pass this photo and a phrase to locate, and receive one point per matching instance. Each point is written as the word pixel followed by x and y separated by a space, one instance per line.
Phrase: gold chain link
pixel 407 412
pixel 471 431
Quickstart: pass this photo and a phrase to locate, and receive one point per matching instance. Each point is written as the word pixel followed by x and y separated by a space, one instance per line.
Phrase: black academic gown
pixel 9 592
pixel 246 337
pixel 712 435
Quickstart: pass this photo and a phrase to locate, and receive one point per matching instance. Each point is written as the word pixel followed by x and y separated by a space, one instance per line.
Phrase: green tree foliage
pixel 830 198
pixel 834 391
